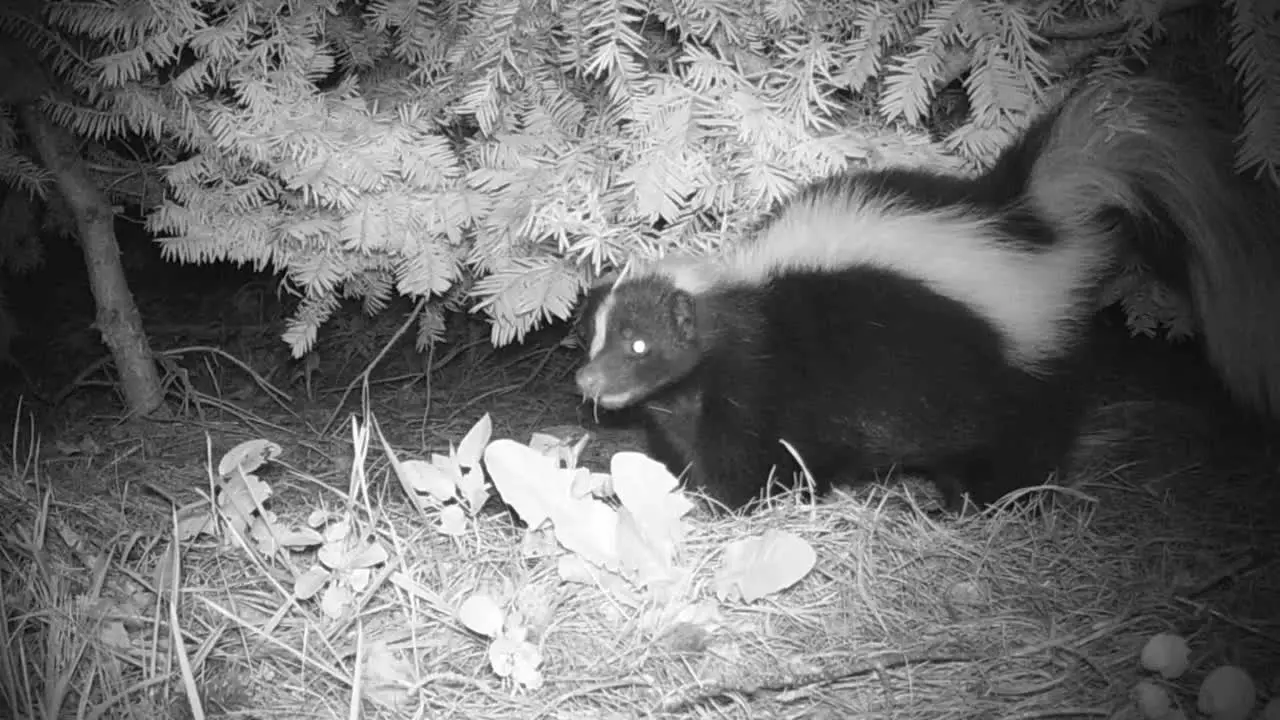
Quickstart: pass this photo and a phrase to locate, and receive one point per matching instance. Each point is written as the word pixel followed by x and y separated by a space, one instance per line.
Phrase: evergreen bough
pixel 497 154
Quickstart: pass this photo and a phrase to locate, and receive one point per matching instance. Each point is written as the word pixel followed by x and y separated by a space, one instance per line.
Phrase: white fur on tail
pixel 1114 138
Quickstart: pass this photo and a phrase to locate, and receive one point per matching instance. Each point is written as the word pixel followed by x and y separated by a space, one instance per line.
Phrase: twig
pixel 363 376
pixel 80 379
pixel 231 409
pixel 533 375
pixel 1257 632
pixel 559 701
pixel 280 397
pixel 1249 562
pixel 277 395
pixel 699 694
pixel 477 399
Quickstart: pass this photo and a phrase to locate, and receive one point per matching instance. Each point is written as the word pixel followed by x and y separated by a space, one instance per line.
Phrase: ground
pixel 1173 528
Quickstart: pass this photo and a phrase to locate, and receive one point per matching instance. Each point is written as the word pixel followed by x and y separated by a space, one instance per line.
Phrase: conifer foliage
pixel 497 154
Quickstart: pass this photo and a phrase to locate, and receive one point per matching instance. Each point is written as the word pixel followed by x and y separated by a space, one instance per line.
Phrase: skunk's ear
pixel 684 315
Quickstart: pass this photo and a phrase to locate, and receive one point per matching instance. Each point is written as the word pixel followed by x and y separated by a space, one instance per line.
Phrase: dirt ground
pixel 1165 448
pixel 1217 468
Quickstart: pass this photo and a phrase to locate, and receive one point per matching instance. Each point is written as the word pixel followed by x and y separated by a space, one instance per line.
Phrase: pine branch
pixel 1256 31
pixel 495 153
pixel 1086 28
pixel 1082 39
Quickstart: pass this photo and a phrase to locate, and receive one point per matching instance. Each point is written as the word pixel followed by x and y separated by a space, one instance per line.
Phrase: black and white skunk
pixel 941 324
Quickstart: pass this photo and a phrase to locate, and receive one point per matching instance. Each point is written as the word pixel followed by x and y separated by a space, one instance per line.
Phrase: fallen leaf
pixel 425 477
pixel 310 582
pixel 480 614
pixel 521 477
pixel 453 521
pixel 388 677
pixel 335 599
pixel 472 487
pixel 248 456
pixel 113 634
pixel 518 660
pixel 761 565
pixel 471 449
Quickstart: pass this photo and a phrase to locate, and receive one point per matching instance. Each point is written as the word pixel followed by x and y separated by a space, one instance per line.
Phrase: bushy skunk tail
pixel 1138 160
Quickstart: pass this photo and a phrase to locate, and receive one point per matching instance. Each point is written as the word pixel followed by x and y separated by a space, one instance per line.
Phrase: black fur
pixel 670 416
pixel 671 424
pixel 860 370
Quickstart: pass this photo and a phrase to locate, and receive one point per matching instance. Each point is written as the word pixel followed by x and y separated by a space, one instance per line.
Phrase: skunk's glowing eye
pixel 639 347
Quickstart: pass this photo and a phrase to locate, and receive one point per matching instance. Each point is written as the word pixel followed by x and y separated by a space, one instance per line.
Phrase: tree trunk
pixel 118 318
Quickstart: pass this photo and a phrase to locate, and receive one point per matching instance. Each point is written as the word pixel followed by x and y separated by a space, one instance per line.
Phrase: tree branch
pixel 1087 35
pixel 1093 27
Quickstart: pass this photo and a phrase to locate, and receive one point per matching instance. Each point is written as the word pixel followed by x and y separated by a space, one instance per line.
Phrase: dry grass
pixel 1011 614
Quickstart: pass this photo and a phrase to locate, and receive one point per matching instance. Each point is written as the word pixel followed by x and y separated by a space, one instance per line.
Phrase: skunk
pixel 941 324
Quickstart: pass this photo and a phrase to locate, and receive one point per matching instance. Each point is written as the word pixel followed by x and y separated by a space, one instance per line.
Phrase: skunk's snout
pixel 590 381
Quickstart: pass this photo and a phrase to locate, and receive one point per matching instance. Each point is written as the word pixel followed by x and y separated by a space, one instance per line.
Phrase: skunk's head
pixel 641 335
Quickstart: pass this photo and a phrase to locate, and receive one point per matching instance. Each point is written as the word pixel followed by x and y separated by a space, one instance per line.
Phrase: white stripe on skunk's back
pixel 1025 292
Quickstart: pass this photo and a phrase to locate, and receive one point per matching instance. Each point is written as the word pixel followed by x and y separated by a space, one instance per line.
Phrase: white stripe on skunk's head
pixel 642 335
pixel 598 323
